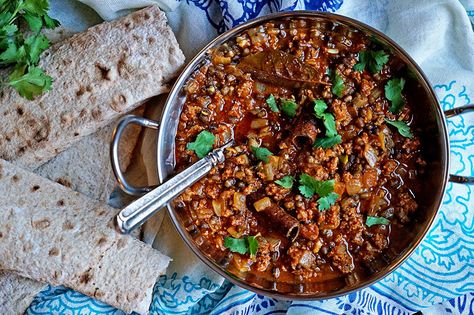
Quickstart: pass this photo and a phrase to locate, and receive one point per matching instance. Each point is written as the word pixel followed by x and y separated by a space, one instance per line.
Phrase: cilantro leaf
pixel 374 60
pixel 393 92
pixel 309 186
pixel 320 107
pixel 272 103
pixel 248 244
pixel 286 182
pixel 288 107
pixel 401 126
pixel 12 54
pixel 322 188
pixel 10 29
pixel 360 66
pixel 376 220
pixel 261 154
pixel 35 45
pixel 37 7
pixel 5 18
pixel 203 144
pixel 253 245
pixel 30 82
pixel 337 84
pixel 50 22
pixel 236 245
pixel 328 119
pixel 34 22
pixel 328 141
pixel 325 203
pixel 332 138
pixel 330 124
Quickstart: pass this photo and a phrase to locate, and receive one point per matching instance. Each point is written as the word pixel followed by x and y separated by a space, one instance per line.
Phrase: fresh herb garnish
pixel 326 202
pixel 261 154
pixel 332 138
pixel 327 142
pixel 286 182
pixel 373 60
pixel 309 186
pixel 288 107
pixel 328 119
pixel 401 126
pixel 393 92
pixel 247 244
pixel 272 103
pixel 203 144
pixel 337 83
pixel 253 245
pixel 21 51
pixel 376 220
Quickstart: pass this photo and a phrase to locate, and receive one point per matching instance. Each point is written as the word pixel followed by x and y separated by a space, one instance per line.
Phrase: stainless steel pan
pixel 433 124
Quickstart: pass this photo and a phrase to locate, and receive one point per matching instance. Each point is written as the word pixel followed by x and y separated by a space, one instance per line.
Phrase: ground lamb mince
pixel 374 167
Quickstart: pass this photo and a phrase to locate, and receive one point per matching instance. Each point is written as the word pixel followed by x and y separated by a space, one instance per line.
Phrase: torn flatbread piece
pixel 52 234
pixel 97 76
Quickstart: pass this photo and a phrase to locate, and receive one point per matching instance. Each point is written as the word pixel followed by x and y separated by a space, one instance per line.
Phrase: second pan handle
pixel 452 113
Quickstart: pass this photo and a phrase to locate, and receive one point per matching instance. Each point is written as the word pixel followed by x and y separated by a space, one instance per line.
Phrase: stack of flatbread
pixel 55 174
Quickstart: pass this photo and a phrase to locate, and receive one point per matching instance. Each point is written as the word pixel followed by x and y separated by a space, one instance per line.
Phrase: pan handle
pixel 452 113
pixel 114 152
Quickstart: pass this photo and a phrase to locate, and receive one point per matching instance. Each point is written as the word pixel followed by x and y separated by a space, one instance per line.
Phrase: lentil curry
pixel 319 189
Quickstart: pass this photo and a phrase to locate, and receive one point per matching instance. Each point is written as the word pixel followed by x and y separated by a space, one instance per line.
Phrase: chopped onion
pixel 370 178
pixel 274 161
pixel 262 204
pixel 317 246
pixel 218 206
pixel 332 51
pixel 239 201
pixel 354 186
pixel 370 155
pixel 233 232
pixel 253 142
pixel 268 171
pixel 258 123
pixel 307 260
pixel 216 59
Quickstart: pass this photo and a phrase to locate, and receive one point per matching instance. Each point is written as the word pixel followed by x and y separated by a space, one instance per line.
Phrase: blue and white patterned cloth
pixel 439 276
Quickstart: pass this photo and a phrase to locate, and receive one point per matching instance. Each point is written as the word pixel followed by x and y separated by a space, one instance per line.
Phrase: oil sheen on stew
pixel 320 186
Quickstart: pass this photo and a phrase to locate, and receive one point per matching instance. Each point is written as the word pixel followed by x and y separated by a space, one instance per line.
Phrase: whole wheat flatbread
pixel 98 75
pixel 85 167
pixel 52 234
pixel 17 293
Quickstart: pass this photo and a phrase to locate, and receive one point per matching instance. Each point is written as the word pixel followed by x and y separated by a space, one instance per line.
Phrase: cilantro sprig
pixel 393 92
pixel 286 181
pixel 337 83
pixel 373 60
pixel 271 102
pixel 22 51
pixel 309 186
pixel 247 244
pixel 288 107
pixel 203 144
pixel 332 138
pixel 261 154
pixel 401 126
pixel 376 221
